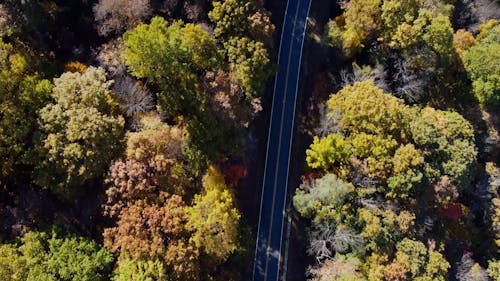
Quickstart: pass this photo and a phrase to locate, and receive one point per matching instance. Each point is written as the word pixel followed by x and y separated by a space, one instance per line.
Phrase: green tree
pixel 397 144
pixel 231 17
pixel 213 217
pixel 327 151
pixel 170 56
pixel 439 36
pixel 210 138
pixel 362 21
pixel 382 229
pixel 405 164
pixel 448 141
pixel 482 63
pixel 82 132
pixel 422 264
pixel 324 196
pixel 137 270
pixel 41 256
pixel 365 108
pixel 22 94
pixel 494 269
pixel 251 61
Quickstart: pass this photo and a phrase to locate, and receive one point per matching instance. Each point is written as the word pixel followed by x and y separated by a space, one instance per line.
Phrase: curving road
pixel 274 189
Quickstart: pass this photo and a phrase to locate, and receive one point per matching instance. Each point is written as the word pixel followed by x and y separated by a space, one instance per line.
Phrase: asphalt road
pixel 273 200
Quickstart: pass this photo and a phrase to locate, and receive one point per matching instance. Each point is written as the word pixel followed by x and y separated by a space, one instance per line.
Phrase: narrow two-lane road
pixel 274 190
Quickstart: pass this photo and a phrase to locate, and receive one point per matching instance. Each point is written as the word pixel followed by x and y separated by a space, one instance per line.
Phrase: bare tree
pixel 110 57
pixel 338 268
pixel 326 239
pixel 135 97
pixel 116 16
pixel 328 121
pixel 4 19
pixel 408 85
pixel 194 11
pixel 485 10
pixel 377 74
pixel 320 242
pixel 468 270
pixel 344 239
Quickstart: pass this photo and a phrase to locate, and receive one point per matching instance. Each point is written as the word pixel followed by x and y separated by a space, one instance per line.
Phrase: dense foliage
pixel 81 131
pixel 47 256
pixel 398 183
pixel 22 93
pixel 118 119
pixel 127 122
pixel 481 63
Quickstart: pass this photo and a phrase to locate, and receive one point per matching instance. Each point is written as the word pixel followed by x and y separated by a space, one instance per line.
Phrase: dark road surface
pixel 273 200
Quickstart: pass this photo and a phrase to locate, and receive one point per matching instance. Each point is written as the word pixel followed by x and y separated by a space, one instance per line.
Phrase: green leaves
pixel 448 140
pixel 378 123
pixel 131 270
pixel 251 60
pixel 482 63
pixel 170 56
pixel 22 95
pixel 41 256
pixel 366 108
pixel 230 17
pixel 324 196
pixel 439 35
pixel 81 133
pixel 326 152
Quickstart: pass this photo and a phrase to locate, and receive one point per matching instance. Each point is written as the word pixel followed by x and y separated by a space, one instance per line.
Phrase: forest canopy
pixel 122 121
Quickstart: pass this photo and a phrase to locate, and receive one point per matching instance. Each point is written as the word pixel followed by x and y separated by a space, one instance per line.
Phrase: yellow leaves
pixel 352 42
pixel 201 45
pixel 485 29
pixel 405 221
pixel 362 19
pixel 18 63
pixel 462 41
pixel 328 151
pixel 213 218
pixel 406 157
pixel 373 224
pixel 376 146
pixel 366 108
pixel 75 66
pixel 374 266
pixel 405 36
pixel 214 179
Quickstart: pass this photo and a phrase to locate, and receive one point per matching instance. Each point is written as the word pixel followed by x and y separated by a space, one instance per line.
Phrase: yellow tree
pixel 214 217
